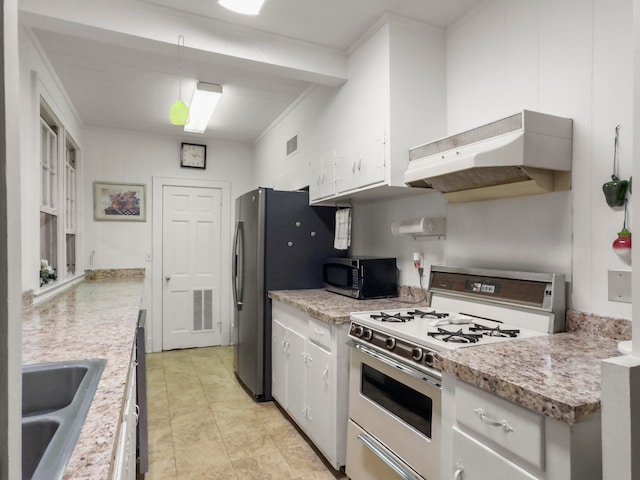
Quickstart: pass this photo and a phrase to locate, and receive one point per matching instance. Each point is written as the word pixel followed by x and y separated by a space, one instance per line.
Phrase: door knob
pixel 167 278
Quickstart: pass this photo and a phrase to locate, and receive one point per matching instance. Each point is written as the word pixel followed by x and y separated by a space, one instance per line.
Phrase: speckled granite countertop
pixel 94 319
pixel 556 375
pixel 333 308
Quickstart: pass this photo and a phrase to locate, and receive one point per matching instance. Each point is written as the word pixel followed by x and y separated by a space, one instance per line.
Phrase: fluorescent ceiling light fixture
pixel 204 100
pixel 245 7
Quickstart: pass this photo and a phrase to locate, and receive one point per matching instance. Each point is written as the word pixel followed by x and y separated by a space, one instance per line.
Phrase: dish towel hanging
pixel 342 239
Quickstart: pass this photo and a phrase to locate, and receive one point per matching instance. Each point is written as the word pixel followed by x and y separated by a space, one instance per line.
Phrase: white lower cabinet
pixel 319 393
pixel 485 437
pixel 124 467
pixel 477 462
pixel 295 373
pixel 310 361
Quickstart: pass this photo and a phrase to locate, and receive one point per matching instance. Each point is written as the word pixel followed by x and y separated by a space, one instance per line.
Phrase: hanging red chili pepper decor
pixel 622 244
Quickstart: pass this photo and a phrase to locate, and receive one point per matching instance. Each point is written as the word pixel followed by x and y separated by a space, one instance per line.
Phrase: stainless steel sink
pixel 55 400
pixel 36 437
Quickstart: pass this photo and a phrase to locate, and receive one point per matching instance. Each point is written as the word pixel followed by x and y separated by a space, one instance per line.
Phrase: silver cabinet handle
pixel 457 475
pixel 490 421
pixel 380 451
pixel 167 278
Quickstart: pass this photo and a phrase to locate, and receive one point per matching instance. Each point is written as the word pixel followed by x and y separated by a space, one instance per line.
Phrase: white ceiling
pixel 125 75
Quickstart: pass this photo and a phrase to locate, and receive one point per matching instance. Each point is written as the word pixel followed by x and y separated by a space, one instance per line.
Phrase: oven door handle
pixel 434 379
pixel 387 457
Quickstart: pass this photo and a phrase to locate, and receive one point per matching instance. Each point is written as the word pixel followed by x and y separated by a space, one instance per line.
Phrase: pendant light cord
pixel 180 54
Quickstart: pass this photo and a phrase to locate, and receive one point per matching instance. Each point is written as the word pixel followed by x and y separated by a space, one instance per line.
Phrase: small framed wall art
pixel 193 155
pixel 119 202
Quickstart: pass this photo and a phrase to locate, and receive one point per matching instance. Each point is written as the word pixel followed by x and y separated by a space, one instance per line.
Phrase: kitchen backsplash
pixel 97 274
pixel 409 293
pixel 614 328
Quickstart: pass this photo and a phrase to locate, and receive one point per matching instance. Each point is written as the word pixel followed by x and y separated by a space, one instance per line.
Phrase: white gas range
pixel 394 401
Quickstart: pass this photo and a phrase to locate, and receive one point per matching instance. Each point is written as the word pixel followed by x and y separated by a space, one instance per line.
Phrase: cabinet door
pixel 322 183
pixel 319 405
pixel 475 460
pixel 372 161
pixel 279 363
pixel 120 464
pixel 328 183
pixel 296 377
pixel 346 171
pixel 132 422
pixel 361 162
pixel 315 182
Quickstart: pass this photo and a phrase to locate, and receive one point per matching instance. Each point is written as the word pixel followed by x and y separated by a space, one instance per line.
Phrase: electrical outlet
pixel 620 286
pixel 147 256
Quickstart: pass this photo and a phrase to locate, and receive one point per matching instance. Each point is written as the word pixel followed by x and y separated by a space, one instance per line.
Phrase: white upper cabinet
pixel 361 162
pixel 393 100
pixel 323 176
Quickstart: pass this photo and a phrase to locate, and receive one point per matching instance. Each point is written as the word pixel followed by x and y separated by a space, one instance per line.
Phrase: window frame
pixel 64 202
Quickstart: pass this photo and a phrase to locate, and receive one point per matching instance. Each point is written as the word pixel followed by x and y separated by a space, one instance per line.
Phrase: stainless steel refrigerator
pixel 280 243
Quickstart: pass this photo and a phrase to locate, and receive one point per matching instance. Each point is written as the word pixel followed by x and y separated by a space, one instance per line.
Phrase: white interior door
pixel 191 267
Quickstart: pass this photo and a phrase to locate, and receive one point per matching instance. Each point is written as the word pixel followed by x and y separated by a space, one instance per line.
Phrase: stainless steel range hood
pixel 525 154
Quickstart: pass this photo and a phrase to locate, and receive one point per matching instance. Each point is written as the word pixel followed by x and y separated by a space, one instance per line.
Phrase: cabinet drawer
pixel 320 333
pixel 511 427
pixel 474 460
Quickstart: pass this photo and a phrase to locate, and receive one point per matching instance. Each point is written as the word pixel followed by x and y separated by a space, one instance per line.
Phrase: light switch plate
pixel 620 286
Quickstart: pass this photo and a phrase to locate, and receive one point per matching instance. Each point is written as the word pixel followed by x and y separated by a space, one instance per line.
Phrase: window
pixel 58 199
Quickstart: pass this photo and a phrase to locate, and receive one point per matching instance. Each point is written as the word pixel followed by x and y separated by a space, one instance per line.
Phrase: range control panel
pixel 544 291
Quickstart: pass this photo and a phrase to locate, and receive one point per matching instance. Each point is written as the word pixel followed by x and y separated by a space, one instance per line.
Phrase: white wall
pixel 119 156
pixel 571 58
pixel 384 68
pixel 418 87
pixel 325 118
pixel 36 81
pixel 10 312
pixel 112 156
pixel 371 233
pixel 129 157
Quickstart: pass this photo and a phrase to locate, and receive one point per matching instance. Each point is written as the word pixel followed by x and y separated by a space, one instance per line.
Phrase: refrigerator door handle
pixel 238 265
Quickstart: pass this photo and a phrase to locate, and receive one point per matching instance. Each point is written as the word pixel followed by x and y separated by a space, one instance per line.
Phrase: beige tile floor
pixel 203 425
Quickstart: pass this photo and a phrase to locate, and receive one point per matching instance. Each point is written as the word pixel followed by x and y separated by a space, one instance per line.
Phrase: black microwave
pixel 361 277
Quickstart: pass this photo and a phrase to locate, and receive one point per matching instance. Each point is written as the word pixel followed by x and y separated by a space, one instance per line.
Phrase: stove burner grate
pixel 432 314
pixel 494 331
pixel 455 337
pixel 388 317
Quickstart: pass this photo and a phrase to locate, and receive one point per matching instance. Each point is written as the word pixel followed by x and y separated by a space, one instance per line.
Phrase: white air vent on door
pixel 202 310
pixel 292 145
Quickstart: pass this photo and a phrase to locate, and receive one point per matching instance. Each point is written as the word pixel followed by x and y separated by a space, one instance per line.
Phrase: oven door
pixel 396 406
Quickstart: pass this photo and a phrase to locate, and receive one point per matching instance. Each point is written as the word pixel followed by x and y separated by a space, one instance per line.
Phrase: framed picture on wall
pixel 124 202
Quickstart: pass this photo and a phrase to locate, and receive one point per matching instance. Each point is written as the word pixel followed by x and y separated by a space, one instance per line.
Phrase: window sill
pixel 50 290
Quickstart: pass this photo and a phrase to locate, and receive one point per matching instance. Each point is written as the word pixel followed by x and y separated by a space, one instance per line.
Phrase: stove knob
pixel 428 358
pixel 416 354
pixel 357 331
pixel 368 334
pixel 390 343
